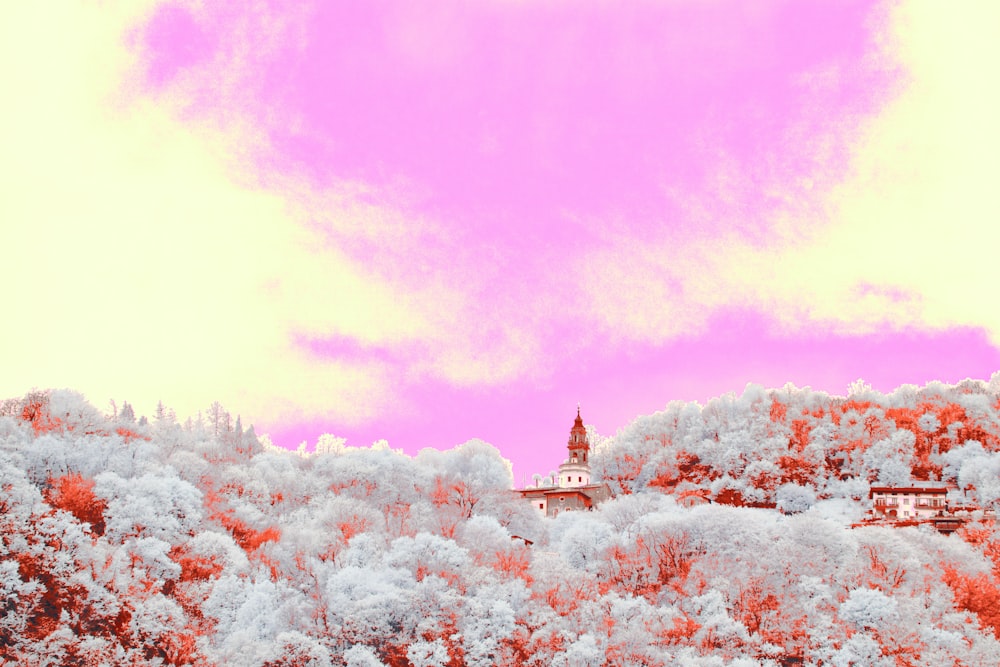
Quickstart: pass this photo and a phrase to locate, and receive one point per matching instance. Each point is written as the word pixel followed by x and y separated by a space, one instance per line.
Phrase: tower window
pixel 580 478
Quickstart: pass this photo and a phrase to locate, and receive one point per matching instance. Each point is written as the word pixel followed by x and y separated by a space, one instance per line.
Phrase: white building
pixel 910 502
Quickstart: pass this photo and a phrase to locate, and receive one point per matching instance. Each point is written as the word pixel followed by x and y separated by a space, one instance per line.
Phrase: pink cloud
pixel 513 121
pixel 173 41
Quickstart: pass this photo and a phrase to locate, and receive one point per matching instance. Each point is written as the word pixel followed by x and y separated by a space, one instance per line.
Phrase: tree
pixel 867 608
pixel 361 656
pixel 76 495
pixel 158 506
pixel 793 498
pixel 294 649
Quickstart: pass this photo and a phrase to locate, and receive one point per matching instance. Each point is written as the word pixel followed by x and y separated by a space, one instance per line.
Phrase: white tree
pixel 793 498
pixel 717 626
pixel 487 622
pixel 160 506
pixel 869 608
pixel 581 537
pixel 361 656
pixel 153 620
pixel 427 654
pixel 983 474
pixel 294 649
pixel 890 460
pixel 370 605
pixel 583 652
pixel 954 460
pixel 72 409
pixel 862 649
pixel 18 599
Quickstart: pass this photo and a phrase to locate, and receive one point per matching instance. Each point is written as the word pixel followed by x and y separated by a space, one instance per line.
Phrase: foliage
pixel 135 542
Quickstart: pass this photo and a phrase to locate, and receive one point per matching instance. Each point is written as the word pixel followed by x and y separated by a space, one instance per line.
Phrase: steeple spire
pixel 571 487
pixel 578 434
pixel 575 471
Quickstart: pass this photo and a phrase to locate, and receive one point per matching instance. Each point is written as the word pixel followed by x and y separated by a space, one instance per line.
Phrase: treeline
pixel 766 445
pixel 129 542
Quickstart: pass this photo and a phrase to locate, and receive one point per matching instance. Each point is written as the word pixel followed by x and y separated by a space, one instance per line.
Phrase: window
pixel 906 501
pixel 580 479
pixel 541 506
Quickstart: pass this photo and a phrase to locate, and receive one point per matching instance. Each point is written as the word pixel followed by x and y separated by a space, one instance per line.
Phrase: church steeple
pixel 571 488
pixel 578 445
pixel 575 471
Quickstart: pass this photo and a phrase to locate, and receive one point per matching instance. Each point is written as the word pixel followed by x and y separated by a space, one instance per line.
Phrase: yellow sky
pixel 137 268
pixel 919 217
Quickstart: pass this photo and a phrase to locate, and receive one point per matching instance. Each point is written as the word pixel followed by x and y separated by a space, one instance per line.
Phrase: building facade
pixel 572 488
pixel 911 502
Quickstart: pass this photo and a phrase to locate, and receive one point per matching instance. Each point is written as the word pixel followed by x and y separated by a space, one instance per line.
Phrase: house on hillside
pixel 944 507
pixel 909 502
pixel 571 489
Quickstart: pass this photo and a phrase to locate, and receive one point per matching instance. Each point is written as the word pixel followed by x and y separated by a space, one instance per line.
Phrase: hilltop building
pixel 911 502
pixel 572 487
pixel 944 506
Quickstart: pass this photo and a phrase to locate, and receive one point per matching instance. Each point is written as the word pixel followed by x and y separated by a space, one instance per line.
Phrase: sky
pixel 430 222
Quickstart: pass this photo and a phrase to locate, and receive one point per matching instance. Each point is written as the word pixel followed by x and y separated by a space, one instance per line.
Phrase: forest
pixel 129 540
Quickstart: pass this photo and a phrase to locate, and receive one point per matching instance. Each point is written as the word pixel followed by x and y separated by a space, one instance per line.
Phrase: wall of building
pixel 908 504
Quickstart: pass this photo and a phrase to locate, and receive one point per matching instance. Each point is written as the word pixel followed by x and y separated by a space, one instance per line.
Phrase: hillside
pixel 127 541
pixel 743 449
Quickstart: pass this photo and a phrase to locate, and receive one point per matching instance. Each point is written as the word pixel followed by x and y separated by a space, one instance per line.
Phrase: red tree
pixel 75 494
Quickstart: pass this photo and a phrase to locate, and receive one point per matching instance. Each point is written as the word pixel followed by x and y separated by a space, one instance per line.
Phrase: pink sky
pixel 529 422
pixel 511 138
pixel 428 222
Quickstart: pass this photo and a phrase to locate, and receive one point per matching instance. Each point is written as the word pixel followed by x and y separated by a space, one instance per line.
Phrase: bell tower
pixel 572 487
pixel 575 470
pixel 578 444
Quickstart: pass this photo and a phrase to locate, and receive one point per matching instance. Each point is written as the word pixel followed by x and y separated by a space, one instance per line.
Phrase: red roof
pixel 936 490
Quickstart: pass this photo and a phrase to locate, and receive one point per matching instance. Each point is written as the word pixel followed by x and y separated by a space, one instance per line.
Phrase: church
pixel 572 488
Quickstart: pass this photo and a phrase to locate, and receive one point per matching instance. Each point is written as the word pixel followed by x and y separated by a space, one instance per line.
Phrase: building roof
pixel 561 490
pixel 936 490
